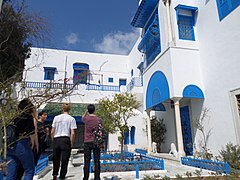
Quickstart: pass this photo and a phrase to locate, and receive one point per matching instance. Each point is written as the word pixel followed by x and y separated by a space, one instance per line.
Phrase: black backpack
pixel 11 135
pixel 99 135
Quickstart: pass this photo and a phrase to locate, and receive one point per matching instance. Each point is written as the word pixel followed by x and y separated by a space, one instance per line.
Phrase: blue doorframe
pixel 186 130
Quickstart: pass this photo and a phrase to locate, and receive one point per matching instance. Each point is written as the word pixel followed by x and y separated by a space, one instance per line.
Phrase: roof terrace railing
pixel 30 84
pixel 100 87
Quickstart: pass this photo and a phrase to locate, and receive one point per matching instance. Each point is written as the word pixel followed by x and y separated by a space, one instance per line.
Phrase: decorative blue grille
pixel 225 7
pixel 185 28
pixel 150 43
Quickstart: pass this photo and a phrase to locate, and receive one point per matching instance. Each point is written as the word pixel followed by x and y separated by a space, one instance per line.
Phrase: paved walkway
pixel 172 166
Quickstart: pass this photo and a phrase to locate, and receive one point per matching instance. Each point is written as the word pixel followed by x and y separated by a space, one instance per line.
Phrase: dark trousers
pixel 88 148
pixel 61 153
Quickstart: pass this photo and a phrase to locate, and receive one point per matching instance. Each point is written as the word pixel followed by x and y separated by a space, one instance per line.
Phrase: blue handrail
pixel 217 166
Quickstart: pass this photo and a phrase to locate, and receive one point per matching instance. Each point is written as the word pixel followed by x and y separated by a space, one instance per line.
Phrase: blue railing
pixel 141 151
pixel 29 84
pixel 135 82
pixel 131 162
pixel 99 87
pixel 42 164
pixel 154 159
pixel 217 166
pixel 112 156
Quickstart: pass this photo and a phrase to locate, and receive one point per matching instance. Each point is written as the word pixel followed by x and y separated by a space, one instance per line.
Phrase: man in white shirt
pixel 62 134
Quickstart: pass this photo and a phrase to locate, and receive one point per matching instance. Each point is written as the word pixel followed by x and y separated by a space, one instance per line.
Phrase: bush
pixel 231 155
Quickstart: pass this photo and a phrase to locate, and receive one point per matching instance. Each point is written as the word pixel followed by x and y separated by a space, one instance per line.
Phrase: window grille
pixel 185 28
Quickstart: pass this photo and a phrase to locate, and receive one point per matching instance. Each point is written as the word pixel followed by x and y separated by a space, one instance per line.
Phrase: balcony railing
pixel 135 82
pixel 29 84
pixel 99 87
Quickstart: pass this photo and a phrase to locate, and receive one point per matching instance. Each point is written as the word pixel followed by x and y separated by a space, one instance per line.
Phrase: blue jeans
pixel 21 153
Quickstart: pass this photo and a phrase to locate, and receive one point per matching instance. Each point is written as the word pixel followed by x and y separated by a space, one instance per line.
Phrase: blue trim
pixel 159 107
pixel 193 91
pixel 143 13
pixel 110 79
pixel 225 7
pixel 157 90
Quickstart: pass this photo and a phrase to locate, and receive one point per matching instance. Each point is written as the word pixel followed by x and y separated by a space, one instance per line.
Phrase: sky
pixel 88 25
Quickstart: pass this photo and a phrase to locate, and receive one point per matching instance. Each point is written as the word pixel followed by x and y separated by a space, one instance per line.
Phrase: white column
pixel 149 134
pixel 179 128
pixel 170 38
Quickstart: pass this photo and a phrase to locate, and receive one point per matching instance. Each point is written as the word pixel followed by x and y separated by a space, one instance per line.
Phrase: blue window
pixel 225 7
pixel 132 137
pixel 132 73
pixel 81 72
pixel 185 28
pixel 49 73
pixel 126 137
pixel 186 21
pixel 122 82
pixel 150 43
pixel 110 79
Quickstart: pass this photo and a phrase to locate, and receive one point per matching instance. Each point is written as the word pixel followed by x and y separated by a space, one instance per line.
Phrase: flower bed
pixel 110 162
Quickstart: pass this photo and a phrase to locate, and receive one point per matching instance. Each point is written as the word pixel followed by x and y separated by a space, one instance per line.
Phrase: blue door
pixel 186 130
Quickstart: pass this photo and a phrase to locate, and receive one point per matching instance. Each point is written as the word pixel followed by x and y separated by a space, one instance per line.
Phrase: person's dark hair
pixel 41 113
pixel 91 108
pixel 26 106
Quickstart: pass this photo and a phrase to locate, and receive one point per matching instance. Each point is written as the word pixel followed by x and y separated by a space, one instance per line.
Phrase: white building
pixel 185 60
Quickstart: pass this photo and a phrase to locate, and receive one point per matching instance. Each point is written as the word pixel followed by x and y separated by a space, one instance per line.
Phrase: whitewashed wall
pixel 219 43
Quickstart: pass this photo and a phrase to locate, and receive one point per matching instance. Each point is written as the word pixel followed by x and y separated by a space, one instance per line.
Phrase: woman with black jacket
pixel 21 152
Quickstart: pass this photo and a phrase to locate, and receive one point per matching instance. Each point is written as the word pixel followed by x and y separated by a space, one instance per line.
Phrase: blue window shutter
pixel 122 82
pixel 49 73
pixel 226 6
pixel 110 79
pixel 235 3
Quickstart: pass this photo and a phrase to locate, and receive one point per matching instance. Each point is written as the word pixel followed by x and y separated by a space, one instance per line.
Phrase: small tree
pixel 158 130
pixel 199 124
pixel 116 113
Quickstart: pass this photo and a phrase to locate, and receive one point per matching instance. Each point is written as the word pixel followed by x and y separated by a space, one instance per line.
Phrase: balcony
pixel 135 82
pixel 100 87
pixel 29 84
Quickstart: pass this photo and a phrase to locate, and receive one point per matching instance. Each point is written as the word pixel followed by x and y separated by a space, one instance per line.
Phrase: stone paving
pixel 75 170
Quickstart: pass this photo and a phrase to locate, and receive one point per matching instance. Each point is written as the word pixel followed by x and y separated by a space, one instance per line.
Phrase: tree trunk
pixel 122 140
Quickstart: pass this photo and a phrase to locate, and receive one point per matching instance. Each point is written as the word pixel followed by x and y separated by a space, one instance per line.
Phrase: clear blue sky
pixel 88 25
